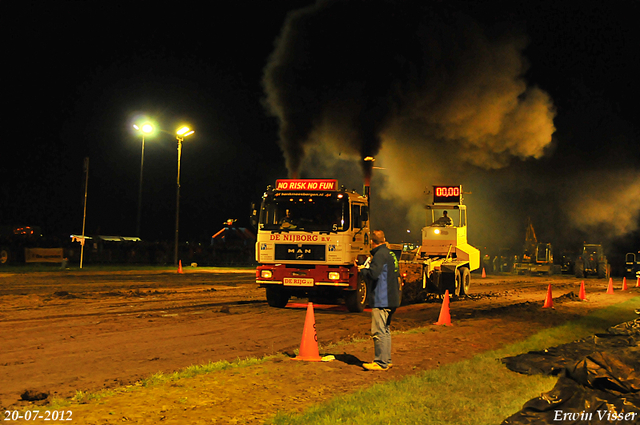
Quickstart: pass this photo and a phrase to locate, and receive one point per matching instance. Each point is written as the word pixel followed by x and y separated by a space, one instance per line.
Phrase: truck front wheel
pixel 277 297
pixel 356 300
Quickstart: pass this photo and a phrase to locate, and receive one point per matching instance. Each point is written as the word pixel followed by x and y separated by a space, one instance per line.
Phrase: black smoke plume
pixel 353 69
pixel 342 64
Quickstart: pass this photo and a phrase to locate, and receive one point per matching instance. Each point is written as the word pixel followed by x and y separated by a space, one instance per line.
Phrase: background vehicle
pixel 631 265
pixel 537 257
pixel 505 260
pixel 567 260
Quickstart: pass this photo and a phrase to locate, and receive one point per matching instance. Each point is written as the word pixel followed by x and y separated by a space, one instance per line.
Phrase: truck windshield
pixel 311 212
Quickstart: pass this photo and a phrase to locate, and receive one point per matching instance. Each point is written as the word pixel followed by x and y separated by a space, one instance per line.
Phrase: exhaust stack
pixel 367 167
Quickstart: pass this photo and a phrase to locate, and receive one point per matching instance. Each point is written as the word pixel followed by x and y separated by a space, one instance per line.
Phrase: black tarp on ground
pixel 598 380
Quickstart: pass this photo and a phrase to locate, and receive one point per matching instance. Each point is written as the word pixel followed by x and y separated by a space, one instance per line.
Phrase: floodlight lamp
pixel 369 158
pixel 182 131
pixel 147 128
pixel 136 127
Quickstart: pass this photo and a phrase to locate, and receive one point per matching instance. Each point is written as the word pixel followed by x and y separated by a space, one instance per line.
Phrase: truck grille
pixel 293 252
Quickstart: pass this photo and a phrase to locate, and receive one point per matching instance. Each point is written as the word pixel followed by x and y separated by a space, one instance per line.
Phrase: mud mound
pixel 571 296
pixel 65 295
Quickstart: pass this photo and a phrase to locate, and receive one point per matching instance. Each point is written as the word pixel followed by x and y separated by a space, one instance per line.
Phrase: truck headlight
pixel 436 231
pixel 334 276
pixel 266 274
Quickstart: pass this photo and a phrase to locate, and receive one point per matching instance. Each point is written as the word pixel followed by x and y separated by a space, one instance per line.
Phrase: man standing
pixel 383 279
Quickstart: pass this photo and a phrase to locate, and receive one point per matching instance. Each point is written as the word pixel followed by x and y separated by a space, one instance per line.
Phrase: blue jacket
pixel 382 277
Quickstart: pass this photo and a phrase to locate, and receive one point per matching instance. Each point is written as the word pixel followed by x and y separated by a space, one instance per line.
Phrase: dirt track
pixel 68 331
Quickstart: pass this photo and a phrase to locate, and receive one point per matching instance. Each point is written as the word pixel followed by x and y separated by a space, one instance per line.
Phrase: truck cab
pixel 439 238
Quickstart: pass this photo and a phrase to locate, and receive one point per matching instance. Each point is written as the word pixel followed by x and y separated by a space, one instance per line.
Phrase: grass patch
pixel 195 370
pixel 480 390
pixel 83 397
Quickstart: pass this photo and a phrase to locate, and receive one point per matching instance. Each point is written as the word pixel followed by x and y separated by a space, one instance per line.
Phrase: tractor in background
pixel 591 262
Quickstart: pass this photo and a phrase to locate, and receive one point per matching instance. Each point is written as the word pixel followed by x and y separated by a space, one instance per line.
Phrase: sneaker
pixel 374 366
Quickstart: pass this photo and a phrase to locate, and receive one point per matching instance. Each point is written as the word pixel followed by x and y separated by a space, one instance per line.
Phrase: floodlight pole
pixel 140 190
pixel 84 214
pixel 175 252
pixel 146 128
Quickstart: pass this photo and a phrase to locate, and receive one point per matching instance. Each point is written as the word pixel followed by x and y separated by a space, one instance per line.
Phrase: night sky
pixel 531 106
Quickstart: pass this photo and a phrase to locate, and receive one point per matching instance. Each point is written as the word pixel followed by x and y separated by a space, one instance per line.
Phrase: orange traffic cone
pixel 638 283
pixel 309 344
pixel 484 274
pixel 624 283
pixel 610 288
pixel 445 317
pixel 582 294
pixel 548 302
pixel 180 267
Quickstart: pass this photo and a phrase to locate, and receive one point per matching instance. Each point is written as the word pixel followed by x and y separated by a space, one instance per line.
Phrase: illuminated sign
pixel 306 184
pixel 447 194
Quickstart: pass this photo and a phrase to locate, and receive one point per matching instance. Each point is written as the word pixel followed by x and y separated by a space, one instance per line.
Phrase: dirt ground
pixel 63 332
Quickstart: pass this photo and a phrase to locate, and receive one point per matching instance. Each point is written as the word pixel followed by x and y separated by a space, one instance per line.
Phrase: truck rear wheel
pixel 356 300
pixel 277 297
pixel 465 281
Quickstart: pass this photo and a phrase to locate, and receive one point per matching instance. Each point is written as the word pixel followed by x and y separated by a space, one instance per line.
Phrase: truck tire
pixel 579 269
pixel 277 297
pixel 5 256
pixel 457 283
pixel 356 300
pixel 465 281
pixel 602 270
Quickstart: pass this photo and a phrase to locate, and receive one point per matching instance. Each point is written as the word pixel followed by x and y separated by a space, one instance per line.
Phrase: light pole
pixel 146 128
pixel 181 134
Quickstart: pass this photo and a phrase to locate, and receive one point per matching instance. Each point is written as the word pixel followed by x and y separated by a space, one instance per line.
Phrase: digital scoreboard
pixel 447 194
